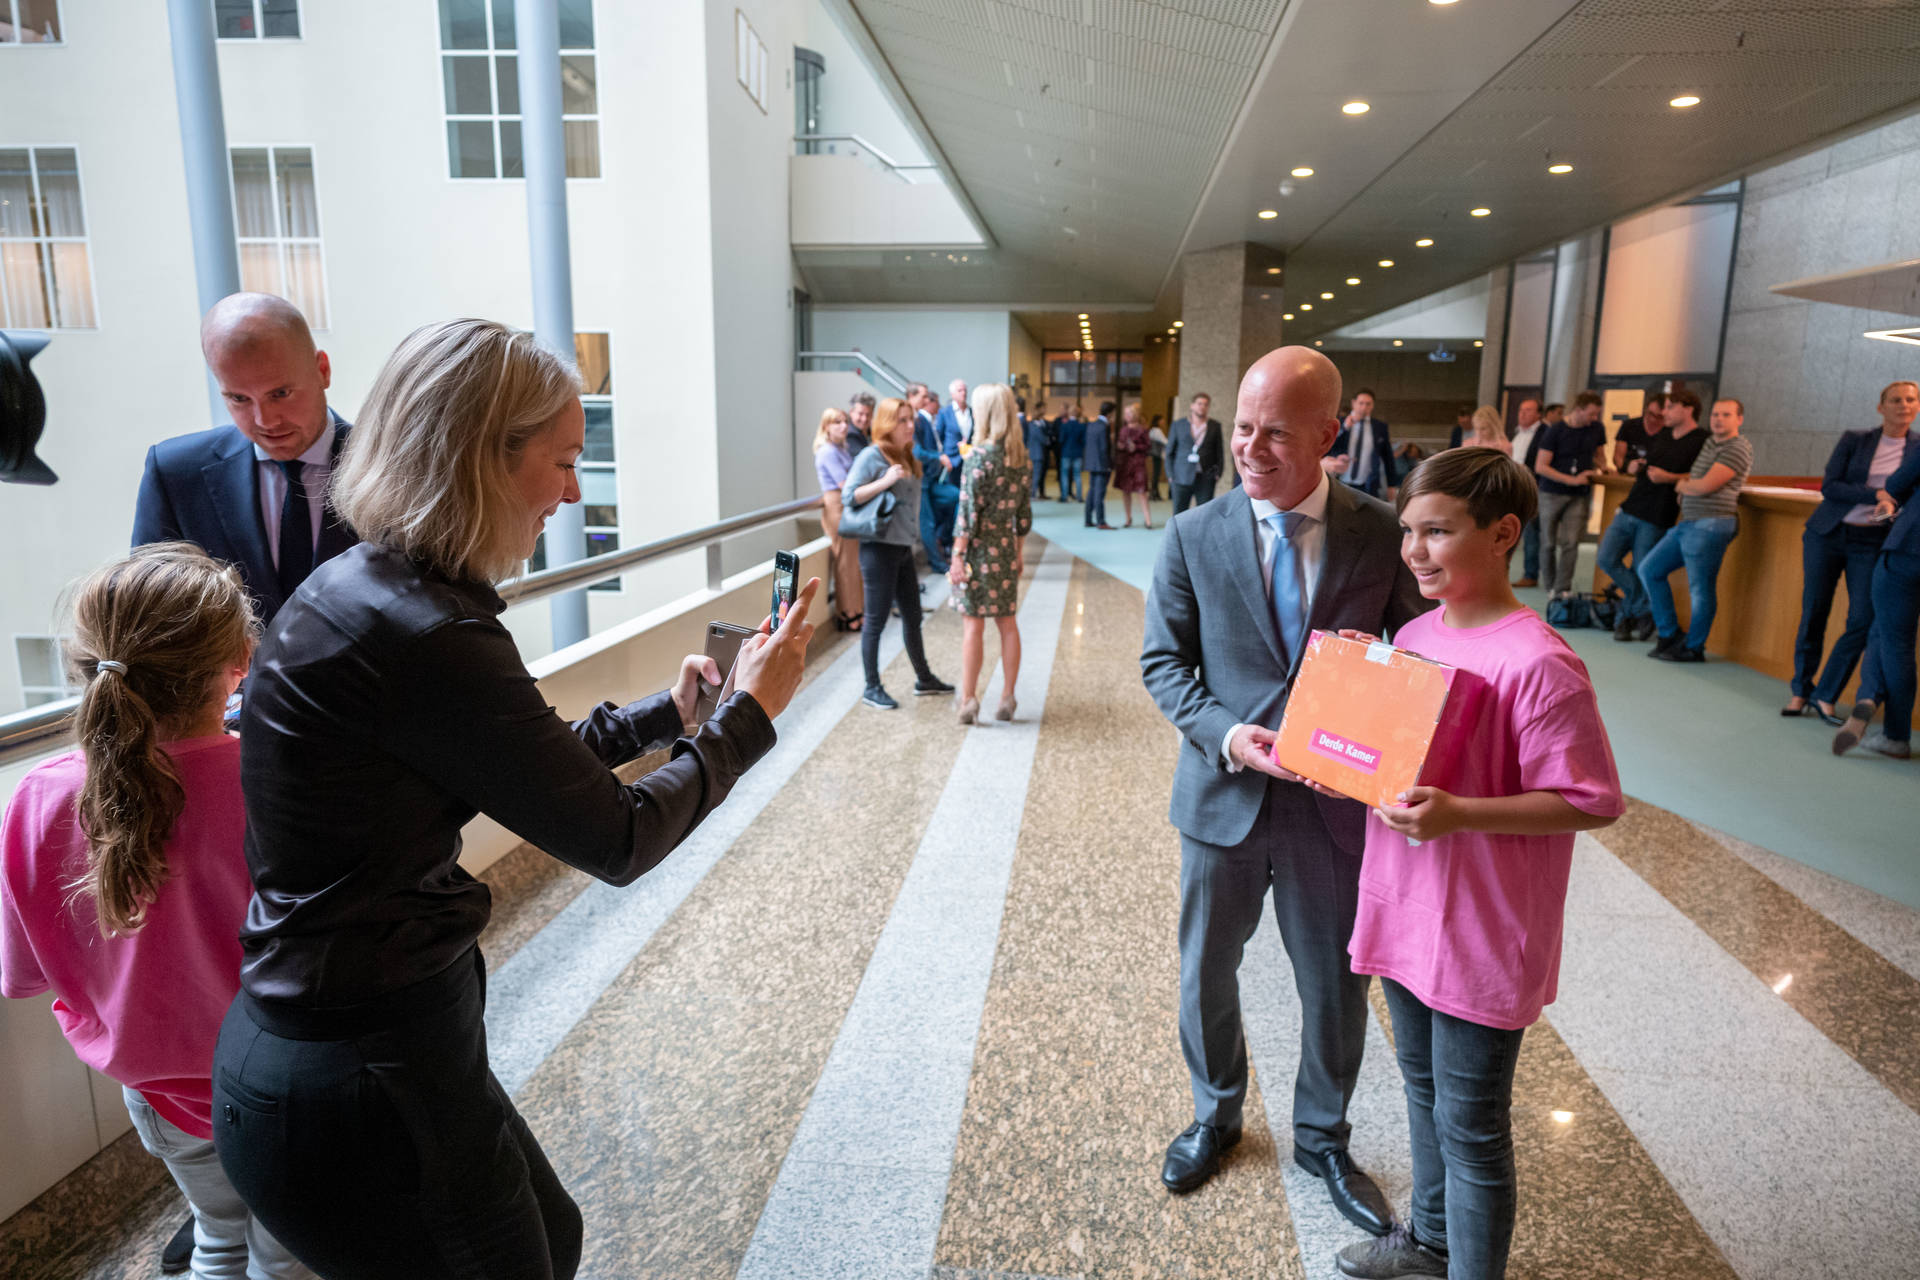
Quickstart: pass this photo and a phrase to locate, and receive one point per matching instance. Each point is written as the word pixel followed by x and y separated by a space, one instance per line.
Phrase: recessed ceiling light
pixel 1169 331
pixel 1353 279
pixel 1304 171
pixel 1686 100
pixel 1386 262
pixel 1478 343
pixel 1269 213
pixel 1357 108
pixel 1559 168
pixel 1179 324
pixel 1286 315
pixel 1443 3
pixel 1479 213
pixel 1273 271
pixel 1423 244
pixel 1398 343
pixel 1265 296
pixel 1083 315
pixel 1308 306
pixel 1318 343
pixel 1325 296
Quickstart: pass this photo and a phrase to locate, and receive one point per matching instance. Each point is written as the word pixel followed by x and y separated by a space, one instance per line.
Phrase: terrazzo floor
pixel 907 1009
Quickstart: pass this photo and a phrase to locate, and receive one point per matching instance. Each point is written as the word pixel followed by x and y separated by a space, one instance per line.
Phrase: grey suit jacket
pixel 1212 657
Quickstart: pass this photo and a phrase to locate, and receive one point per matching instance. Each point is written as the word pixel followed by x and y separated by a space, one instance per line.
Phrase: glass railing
pixel 852 144
pixel 884 377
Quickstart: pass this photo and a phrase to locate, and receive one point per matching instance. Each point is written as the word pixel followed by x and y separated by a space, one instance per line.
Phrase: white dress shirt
pixel 316 469
pixel 1360 451
pixel 965 418
pixel 1522 439
pixel 1309 549
pixel 1886 460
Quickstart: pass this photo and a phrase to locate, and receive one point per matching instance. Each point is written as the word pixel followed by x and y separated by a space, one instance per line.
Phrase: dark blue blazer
pixel 1097 449
pixel 1378 477
pixel 1845 484
pixel 947 427
pixel 205 488
pixel 1073 439
pixel 926 447
pixel 1903 485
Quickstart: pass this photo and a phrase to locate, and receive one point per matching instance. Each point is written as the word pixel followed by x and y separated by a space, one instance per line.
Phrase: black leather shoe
pixel 930 686
pixel 1681 652
pixel 1194 1156
pixel 1643 628
pixel 178 1254
pixel 1663 643
pixel 1352 1191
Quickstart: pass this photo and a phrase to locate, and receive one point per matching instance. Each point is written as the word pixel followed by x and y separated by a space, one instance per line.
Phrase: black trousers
pixel 886 574
pixel 1197 494
pixel 374 1142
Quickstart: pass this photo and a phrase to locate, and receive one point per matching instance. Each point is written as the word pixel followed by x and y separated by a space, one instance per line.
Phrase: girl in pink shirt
pixel 122 880
pixel 1463 887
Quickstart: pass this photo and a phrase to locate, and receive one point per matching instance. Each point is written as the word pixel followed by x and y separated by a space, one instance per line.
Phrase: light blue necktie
pixel 1289 581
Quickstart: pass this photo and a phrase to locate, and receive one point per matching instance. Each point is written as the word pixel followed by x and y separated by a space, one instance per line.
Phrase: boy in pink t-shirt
pixel 1464 885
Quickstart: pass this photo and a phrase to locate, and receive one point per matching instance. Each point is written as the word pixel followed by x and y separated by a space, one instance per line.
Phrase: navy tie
pixel 296 532
pixel 1289 581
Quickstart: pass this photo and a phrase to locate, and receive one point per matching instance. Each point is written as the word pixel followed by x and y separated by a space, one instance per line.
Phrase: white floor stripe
pixel 1796 1161
pixel 864 1184
pixel 547 986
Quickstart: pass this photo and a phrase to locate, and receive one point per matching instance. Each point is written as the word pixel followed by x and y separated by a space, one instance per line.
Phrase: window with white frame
pixel 43 670
pixel 256 19
pixel 749 59
pixel 276 213
pixel 46 274
pixel 30 22
pixel 479 75
pixel 598 476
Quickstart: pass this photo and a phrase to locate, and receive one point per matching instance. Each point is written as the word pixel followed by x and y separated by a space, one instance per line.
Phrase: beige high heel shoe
pixel 970 711
pixel 1005 710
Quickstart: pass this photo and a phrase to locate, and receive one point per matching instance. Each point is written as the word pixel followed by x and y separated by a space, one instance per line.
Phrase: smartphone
pixel 723 646
pixel 786 582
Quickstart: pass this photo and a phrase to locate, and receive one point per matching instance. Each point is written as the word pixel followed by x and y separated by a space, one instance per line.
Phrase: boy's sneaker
pixel 927 686
pixel 1879 743
pixel 1390 1256
pixel 878 698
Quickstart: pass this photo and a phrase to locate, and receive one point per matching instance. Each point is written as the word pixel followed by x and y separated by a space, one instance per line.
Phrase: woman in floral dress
pixel 1130 464
pixel 996 514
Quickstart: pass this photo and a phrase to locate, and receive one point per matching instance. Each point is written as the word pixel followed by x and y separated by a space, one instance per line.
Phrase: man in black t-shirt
pixel 1630 441
pixel 1570 458
pixel 1650 509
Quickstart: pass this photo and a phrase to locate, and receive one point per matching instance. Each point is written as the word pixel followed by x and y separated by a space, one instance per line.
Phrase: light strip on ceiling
pixel 1909 336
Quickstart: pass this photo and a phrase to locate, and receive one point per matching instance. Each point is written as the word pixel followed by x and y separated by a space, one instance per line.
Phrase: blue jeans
pixel 1459 1082
pixel 1699 545
pixel 1850 551
pixel 1628 533
pixel 1097 497
pixel 1888 675
pixel 1530 551
pixel 1069 478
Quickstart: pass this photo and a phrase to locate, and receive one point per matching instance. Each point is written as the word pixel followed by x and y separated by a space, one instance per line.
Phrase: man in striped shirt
pixel 1709 495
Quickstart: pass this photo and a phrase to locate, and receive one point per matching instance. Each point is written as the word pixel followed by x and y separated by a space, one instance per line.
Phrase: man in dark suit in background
pixel 1196 455
pixel 1239 586
pixel 1097 458
pixel 254 493
pixel 1362 455
pixel 939 499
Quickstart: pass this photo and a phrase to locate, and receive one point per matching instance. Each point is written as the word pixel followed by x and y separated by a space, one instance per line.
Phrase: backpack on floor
pixel 1569 611
pixel 1604 611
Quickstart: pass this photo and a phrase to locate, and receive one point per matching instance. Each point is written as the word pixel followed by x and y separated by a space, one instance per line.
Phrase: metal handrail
pixel 892 376
pixel 866 146
pixel 29 733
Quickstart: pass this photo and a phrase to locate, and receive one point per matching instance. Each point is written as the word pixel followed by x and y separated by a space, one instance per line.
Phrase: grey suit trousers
pixel 1314 871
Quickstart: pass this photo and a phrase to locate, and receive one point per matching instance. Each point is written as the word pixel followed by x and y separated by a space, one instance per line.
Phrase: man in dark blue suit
pixel 939 470
pixel 955 422
pixel 1362 455
pixel 253 494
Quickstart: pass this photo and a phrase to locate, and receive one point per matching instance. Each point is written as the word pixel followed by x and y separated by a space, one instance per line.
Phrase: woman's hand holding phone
pixel 694 668
pixel 771 663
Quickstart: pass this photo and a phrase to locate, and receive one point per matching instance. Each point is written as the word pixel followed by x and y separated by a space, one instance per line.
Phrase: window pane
pixel 59 192
pixel 16 194
pixel 73 285
pixel 260 268
pixel 511 164
pixel 503 19
pixel 598 489
pixel 470 148
pixel 233 19
pixel 578 94
pixel 506 74
pixel 40 21
pixel 280 19
pixel 576 24
pixel 26 285
pixel 306 283
pixel 468 93
pixel 599 432
pixel 583 148
pixel 252 193
pixel 299 203
pixel 463 24
pixel 600 517
pixel 590 353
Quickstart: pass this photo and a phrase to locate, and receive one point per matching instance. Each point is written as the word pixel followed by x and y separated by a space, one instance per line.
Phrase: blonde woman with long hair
pixel 387 707
pixel 123 874
pixel 831 461
pixel 996 515
pixel 1488 432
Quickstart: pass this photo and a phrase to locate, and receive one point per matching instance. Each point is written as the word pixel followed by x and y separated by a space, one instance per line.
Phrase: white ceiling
pixel 1150 128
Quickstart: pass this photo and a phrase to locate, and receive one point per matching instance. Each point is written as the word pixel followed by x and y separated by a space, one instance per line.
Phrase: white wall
pixel 845 202
pixel 1666 289
pixel 930 345
pixel 1526 350
pixel 851 99
pixel 1457 313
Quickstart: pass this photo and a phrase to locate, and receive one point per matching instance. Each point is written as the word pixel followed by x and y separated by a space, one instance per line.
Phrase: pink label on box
pixel 1351 754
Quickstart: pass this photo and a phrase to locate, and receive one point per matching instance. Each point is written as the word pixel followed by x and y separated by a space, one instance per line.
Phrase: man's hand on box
pixel 1425 813
pixel 1253 749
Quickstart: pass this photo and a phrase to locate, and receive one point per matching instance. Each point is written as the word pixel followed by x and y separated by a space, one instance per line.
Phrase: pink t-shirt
pixel 146 1009
pixel 1471 922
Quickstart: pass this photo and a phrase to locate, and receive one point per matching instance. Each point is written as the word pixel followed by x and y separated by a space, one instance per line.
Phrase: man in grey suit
pixel 1195 457
pixel 1239 585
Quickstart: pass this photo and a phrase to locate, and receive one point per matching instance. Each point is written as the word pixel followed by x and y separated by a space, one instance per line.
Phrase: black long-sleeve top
pixel 387 705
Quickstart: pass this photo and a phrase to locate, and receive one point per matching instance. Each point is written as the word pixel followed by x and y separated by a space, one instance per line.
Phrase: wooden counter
pixel 1759 580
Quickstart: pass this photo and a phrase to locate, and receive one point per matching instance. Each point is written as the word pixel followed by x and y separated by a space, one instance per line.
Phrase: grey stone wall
pixel 1802 368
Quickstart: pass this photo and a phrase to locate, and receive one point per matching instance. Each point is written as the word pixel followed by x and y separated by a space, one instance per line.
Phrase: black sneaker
pixel 1390 1256
pixel 878 698
pixel 928 686
pixel 1681 652
pixel 1643 627
pixel 1664 643
pixel 1624 630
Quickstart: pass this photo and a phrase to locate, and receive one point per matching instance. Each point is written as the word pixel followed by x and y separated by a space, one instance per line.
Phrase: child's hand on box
pixel 1361 636
pixel 1424 813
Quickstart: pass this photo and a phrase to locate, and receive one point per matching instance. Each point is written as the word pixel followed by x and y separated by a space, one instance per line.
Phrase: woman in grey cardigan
pixel 886 556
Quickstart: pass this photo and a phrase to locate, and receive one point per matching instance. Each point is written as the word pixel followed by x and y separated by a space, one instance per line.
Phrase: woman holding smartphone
pixel 353 1107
